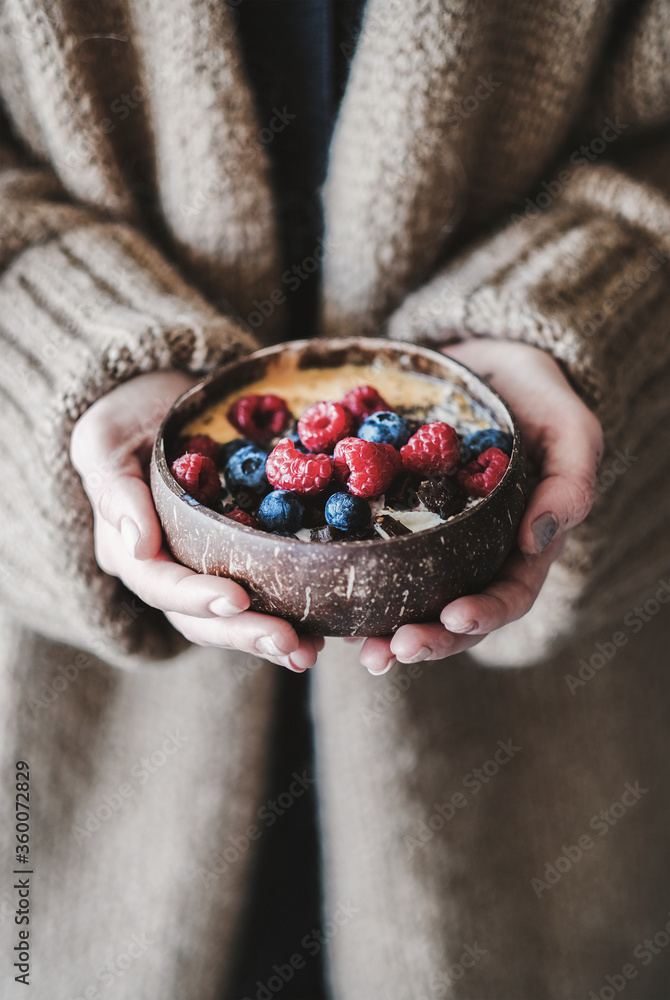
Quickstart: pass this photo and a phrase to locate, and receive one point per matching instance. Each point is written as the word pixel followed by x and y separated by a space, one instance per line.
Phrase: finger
pixel 263 635
pixel 376 655
pixel 411 644
pixel 564 495
pixel 165 584
pixel 510 596
pixel 414 643
pixel 124 501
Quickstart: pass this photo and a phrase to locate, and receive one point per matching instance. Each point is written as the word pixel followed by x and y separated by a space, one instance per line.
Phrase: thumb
pixel 115 484
pixel 564 495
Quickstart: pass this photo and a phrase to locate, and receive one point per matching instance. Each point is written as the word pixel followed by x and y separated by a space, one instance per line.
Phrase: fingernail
pixel 423 654
pixel 267 647
pixel 130 534
pixel 378 673
pixel 294 666
pixel 458 625
pixel 224 608
pixel 544 529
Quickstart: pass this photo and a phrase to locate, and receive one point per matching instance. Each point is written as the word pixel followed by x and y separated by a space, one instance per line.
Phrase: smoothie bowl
pixel 351 486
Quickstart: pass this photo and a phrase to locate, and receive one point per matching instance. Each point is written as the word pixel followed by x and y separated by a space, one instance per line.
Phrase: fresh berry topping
pixel 401 494
pixel 367 468
pixel 443 496
pixel 229 449
pixel 432 451
pixel 260 416
pixel 345 511
pixel 246 468
pixel 385 427
pixel 479 441
pixel 364 400
pixel 242 517
pixel 281 511
pixel 478 478
pixel 322 425
pixel 295 437
pixel 197 476
pixel 201 444
pixel 289 469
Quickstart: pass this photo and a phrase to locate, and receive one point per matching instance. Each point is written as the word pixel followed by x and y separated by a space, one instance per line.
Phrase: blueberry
pixel 347 512
pixel 246 468
pixel 229 449
pixel 479 441
pixel 385 427
pixel 281 511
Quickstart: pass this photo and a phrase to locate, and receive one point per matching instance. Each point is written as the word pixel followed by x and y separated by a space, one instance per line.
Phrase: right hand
pixel 110 448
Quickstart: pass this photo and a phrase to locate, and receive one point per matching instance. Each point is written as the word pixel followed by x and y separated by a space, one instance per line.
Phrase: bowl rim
pixel 163 468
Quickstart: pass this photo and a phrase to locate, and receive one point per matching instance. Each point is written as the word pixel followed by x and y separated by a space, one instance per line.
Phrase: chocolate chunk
pixel 401 494
pixel 442 496
pixel 391 526
pixel 325 533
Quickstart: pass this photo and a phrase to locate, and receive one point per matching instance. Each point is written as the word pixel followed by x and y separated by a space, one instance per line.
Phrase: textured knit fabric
pixel 138 231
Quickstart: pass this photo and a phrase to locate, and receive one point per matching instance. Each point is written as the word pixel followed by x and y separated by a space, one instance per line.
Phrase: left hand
pixel 564 442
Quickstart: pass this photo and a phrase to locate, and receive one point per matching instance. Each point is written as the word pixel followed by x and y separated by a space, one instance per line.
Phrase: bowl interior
pixel 309 354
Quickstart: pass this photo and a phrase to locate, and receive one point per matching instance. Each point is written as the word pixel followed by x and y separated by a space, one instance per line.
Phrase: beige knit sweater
pixel 462 124
pixel 499 169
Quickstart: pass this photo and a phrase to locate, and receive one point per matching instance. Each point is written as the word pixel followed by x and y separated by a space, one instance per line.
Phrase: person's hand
pixel 110 448
pixel 564 444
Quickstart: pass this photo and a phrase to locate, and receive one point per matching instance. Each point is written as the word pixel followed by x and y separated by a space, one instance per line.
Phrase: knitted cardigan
pixel 491 174
pixel 497 170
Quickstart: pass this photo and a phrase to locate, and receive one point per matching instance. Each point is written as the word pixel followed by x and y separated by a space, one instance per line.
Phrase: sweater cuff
pixel 81 313
pixel 586 280
pixel 577 279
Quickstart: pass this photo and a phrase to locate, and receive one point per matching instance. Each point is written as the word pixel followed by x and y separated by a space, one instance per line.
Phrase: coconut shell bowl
pixel 342 588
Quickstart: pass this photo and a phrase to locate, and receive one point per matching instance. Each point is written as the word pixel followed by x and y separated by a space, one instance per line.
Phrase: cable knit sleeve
pixel 85 304
pixel 583 274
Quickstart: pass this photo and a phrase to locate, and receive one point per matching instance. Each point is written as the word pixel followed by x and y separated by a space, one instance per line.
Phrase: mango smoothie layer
pixel 408 392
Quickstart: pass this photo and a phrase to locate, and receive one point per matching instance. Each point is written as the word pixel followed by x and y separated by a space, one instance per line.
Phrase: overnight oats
pixel 346 454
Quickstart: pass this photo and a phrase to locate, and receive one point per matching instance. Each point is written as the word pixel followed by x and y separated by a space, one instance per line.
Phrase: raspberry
pixel 242 517
pixel 197 476
pixel 366 467
pixel 478 478
pixel 477 443
pixel 288 469
pixel 200 444
pixel 432 451
pixel 322 425
pixel 260 416
pixel 364 400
